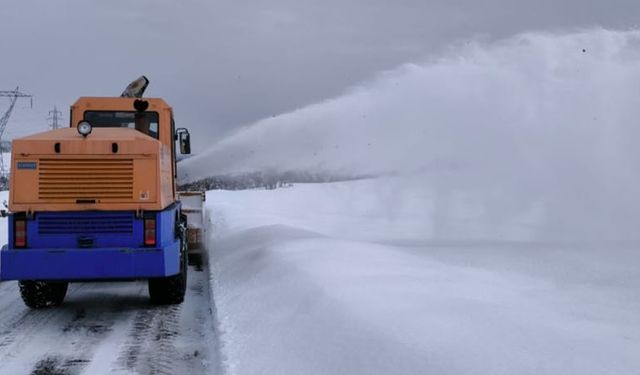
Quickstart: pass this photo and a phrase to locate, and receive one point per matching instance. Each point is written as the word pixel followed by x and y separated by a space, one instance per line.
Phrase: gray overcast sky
pixel 226 63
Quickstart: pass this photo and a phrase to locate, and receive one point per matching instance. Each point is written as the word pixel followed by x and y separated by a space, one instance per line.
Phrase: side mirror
pixel 184 139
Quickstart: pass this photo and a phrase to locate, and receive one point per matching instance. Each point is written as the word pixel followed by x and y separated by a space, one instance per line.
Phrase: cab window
pixel 145 122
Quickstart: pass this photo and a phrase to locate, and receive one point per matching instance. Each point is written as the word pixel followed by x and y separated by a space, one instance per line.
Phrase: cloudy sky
pixel 227 63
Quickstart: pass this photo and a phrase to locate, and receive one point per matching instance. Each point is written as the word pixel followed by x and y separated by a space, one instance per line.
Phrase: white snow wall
pixel 541 126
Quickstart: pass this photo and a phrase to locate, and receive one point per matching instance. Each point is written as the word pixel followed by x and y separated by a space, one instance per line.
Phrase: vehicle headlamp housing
pixel 84 128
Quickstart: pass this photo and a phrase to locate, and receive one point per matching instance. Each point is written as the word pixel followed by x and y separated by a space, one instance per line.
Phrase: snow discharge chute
pixel 136 88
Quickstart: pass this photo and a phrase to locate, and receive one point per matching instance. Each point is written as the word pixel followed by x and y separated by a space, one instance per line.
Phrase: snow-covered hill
pixel 348 278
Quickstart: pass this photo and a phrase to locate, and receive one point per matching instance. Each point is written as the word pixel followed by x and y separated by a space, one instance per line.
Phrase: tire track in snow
pixel 109 327
pixel 19 323
pixel 170 339
pixel 149 348
pixel 56 366
pixel 93 325
pixel 64 336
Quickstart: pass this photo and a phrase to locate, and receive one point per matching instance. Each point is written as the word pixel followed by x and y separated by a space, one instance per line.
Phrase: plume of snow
pixel 541 122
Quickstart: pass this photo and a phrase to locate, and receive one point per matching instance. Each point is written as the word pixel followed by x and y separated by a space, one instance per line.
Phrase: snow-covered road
pixel 108 328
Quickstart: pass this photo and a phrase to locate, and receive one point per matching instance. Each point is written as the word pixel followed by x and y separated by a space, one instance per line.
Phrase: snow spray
pixel 541 128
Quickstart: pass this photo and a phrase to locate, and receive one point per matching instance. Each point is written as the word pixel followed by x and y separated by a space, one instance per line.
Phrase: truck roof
pixel 116 103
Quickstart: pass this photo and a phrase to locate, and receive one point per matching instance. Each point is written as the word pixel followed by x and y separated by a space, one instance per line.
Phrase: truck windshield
pixel 146 122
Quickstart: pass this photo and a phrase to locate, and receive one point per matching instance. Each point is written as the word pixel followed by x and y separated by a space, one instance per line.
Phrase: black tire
pixel 195 258
pixel 171 290
pixel 41 294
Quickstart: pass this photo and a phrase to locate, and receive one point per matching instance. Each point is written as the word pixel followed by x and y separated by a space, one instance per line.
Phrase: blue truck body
pixel 93 245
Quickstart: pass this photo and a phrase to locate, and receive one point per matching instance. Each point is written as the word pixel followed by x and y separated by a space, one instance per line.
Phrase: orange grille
pixel 72 180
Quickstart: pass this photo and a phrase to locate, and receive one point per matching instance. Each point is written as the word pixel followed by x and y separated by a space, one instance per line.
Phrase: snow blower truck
pixel 97 201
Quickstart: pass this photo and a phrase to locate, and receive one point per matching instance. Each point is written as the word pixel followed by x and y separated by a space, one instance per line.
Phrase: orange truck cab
pixel 98 201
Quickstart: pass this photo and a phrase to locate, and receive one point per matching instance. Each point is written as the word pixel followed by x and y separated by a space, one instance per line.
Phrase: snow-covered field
pixel 348 278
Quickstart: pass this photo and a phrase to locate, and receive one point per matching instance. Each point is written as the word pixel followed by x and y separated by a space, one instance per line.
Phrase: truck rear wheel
pixel 170 290
pixel 40 294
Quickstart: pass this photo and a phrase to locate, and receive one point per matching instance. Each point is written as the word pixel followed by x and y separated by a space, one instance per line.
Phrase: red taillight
pixel 20 233
pixel 149 232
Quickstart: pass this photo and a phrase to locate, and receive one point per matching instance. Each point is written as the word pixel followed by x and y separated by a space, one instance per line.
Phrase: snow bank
pixel 376 209
pixel 308 281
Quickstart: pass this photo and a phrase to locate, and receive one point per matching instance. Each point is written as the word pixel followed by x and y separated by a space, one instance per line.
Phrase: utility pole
pixel 55 117
pixel 13 97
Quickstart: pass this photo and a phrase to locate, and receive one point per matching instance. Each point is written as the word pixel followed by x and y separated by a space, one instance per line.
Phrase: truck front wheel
pixel 40 294
pixel 170 290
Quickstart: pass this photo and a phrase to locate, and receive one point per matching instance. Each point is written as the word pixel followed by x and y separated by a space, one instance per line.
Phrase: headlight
pixel 84 128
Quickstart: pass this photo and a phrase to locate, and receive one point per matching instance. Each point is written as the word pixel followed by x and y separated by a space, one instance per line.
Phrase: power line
pixel 13 97
pixel 55 117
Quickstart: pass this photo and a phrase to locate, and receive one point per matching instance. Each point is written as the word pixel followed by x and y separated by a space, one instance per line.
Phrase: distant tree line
pixel 264 180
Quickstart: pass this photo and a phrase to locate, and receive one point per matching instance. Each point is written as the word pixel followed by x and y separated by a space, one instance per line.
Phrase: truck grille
pixel 72 179
pixel 114 223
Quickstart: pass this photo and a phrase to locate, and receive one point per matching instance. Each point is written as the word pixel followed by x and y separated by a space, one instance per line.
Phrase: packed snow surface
pixel 350 278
